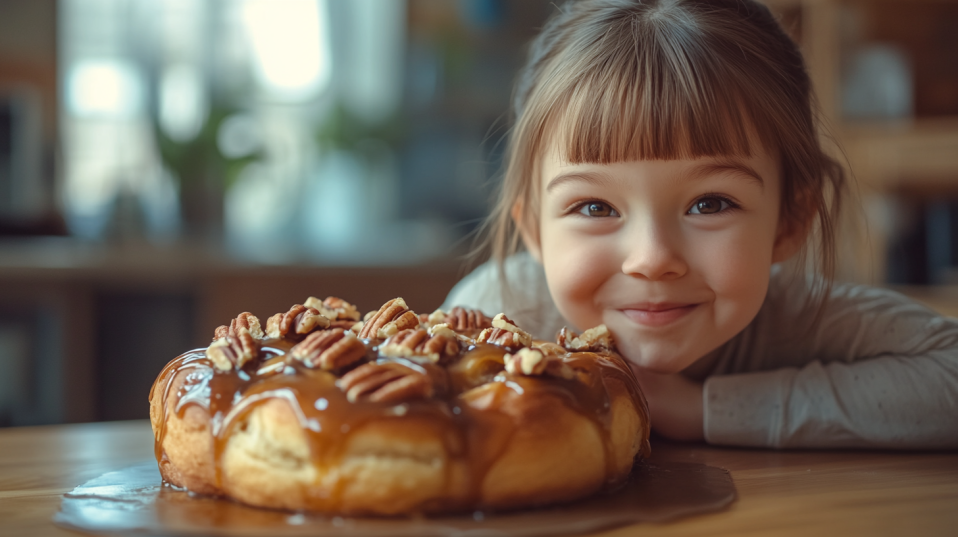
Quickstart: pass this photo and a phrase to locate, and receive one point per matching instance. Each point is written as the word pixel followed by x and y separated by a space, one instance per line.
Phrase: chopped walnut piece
pixel 333 308
pixel 244 320
pixel 434 346
pixel 504 323
pixel 385 382
pixel 248 321
pixel 299 320
pixel 308 321
pixel 329 349
pixel 434 318
pixel 525 362
pixel 597 338
pixel 317 304
pixel 233 351
pixel 290 320
pixel 405 321
pixel 221 332
pixel 445 330
pixel 393 317
pixel 272 325
pixel 500 337
pixel 532 362
pixel 344 310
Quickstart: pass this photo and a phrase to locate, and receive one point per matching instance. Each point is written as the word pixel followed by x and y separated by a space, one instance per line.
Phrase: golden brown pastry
pixel 399 413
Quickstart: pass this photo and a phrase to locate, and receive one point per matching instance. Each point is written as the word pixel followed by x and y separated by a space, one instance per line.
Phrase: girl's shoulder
pixel 486 286
pixel 810 295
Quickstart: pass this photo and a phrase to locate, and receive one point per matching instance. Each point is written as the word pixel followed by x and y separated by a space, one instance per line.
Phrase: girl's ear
pixel 529 238
pixel 791 237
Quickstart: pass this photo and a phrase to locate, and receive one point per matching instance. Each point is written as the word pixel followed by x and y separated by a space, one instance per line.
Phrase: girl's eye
pixel 710 205
pixel 597 209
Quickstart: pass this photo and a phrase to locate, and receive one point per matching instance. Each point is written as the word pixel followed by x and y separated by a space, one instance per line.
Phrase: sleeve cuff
pixel 746 409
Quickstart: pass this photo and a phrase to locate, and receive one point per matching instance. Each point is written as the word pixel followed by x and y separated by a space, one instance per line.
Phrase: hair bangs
pixel 659 100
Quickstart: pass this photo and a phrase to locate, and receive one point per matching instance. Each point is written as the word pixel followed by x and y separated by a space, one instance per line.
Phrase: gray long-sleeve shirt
pixel 872 368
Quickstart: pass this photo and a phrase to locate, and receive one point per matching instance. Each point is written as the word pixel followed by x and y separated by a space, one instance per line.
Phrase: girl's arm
pixel 876 370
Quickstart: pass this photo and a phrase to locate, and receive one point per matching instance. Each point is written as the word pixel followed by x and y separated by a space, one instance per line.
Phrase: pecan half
pixel 532 362
pixel 594 339
pixel 520 336
pixel 500 337
pixel 244 320
pixel 434 346
pixel 299 320
pixel 385 382
pixel 467 320
pixel 233 351
pixel 393 317
pixel 333 308
pixel 329 349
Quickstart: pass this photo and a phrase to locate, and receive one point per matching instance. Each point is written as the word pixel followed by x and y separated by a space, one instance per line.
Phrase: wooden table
pixel 781 493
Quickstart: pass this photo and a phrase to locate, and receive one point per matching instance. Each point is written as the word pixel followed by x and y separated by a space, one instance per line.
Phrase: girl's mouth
pixel 655 315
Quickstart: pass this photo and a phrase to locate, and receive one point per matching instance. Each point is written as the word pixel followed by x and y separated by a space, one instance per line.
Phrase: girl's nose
pixel 652 254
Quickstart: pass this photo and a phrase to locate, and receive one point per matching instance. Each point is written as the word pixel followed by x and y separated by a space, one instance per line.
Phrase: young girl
pixel 664 160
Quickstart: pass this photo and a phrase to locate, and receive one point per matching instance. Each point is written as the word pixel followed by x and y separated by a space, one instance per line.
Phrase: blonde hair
pixel 618 80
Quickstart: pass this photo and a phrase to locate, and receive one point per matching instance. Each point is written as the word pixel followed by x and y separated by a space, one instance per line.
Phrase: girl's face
pixel 672 255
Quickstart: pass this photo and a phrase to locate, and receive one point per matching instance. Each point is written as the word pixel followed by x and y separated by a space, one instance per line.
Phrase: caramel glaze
pixel 477 427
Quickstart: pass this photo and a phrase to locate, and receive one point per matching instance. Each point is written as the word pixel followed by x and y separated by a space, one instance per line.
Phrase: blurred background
pixel 166 164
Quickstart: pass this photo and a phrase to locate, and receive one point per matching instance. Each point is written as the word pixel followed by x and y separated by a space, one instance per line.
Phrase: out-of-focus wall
pixel 28 115
pixel 28 54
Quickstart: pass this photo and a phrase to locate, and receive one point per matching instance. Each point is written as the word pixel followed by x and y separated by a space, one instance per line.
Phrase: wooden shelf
pixel 914 158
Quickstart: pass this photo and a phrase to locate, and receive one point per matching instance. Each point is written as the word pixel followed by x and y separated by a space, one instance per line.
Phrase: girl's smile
pixel 657 314
pixel 672 255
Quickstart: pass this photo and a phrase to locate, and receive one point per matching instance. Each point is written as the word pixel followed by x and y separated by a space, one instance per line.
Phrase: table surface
pixel 780 492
